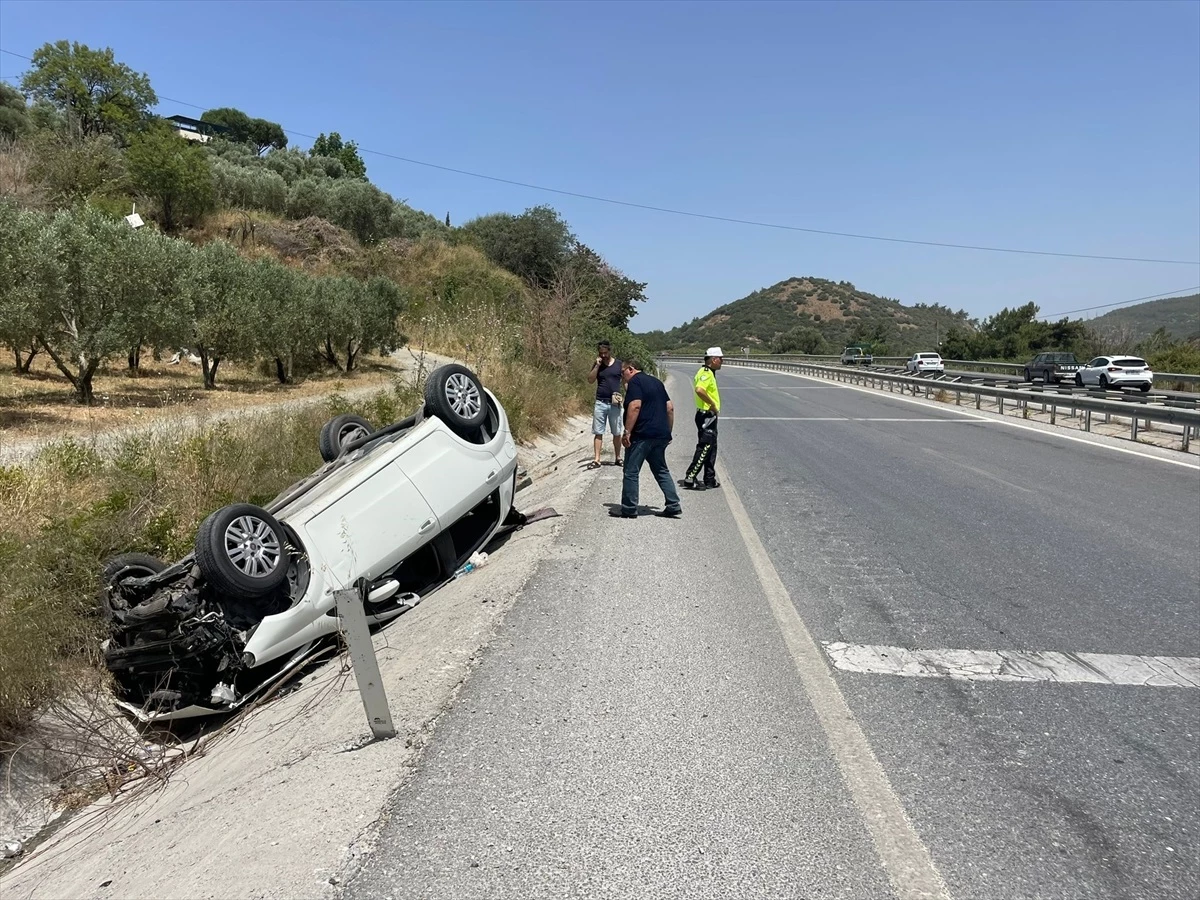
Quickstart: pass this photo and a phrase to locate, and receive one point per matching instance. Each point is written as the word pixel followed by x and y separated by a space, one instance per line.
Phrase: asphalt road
pixel 655 721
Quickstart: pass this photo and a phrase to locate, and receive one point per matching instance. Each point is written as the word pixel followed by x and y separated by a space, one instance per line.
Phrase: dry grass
pixel 41 404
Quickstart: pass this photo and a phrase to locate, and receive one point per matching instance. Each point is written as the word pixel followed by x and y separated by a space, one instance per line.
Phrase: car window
pixel 1129 362
pixel 1097 362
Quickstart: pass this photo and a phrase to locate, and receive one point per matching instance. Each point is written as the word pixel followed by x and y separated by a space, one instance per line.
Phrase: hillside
pixel 813 315
pixel 1180 316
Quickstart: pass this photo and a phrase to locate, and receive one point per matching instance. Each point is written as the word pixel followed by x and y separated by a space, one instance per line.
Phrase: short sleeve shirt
pixel 707 380
pixel 608 381
pixel 652 421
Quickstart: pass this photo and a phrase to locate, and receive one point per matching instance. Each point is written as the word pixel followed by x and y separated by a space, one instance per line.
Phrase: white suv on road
pixel 393 513
pixel 1116 372
pixel 925 362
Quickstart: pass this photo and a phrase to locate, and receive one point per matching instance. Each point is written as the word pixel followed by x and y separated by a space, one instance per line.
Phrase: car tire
pixel 1028 375
pixel 340 431
pixel 455 395
pixel 126 565
pixel 1145 388
pixel 1078 381
pixel 1104 382
pixel 242 551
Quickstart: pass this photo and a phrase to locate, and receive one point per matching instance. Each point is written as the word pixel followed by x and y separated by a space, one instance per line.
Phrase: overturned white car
pixel 393 513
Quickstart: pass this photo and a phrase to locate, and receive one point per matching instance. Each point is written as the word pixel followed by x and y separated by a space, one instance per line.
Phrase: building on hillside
pixel 196 130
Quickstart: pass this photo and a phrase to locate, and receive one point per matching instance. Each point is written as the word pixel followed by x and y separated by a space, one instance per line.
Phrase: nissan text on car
pixel 925 362
pixel 393 513
pixel 1116 372
pixel 1052 367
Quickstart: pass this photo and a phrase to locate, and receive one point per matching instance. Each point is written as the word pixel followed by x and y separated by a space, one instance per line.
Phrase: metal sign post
pixel 353 616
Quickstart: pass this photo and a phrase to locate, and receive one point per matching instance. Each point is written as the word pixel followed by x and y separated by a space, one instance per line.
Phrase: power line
pixel 1179 293
pixel 715 218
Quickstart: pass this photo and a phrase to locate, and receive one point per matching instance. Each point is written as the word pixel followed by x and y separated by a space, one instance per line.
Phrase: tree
pixel 533 245
pixel 800 339
pixel 360 208
pixel 172 171
pixel 243 129
pixel 14 117
pixel 346 152
pixel 161 316
pixel 235 120
pixel 74 168
pixel 19 237
pixel 220 296
pixel 284 312
pixel 614 294
pixel 266 136
pixel 100 94
pixel 89 282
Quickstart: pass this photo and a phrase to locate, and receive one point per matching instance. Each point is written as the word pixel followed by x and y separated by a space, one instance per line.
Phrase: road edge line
pixel 904 856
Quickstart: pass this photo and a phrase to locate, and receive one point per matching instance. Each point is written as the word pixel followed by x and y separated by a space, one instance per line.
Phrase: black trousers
pixel 705 459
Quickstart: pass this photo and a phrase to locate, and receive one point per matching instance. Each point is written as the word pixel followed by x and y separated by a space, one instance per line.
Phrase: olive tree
pixel 19 237
pixel 219 292
pixel 88 283
pixel 287 326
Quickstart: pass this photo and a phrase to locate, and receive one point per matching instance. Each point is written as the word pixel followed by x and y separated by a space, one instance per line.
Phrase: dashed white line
pixel 1016 665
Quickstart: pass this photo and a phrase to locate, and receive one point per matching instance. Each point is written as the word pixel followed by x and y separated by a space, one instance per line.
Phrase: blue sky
pixel 1065 126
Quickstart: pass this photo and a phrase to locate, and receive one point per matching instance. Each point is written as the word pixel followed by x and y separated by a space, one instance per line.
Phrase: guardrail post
pixel 1133 428
pixel 1053 409
pixel 1187 433
pixel 1000 401
pixel 1087 420
pixel 979 401
pixel 353 616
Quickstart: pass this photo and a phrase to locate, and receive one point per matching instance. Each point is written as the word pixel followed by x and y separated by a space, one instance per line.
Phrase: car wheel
pixel 1078 381
pixel 241 551
pixel 125 566
pixel 455 395
pixel 1028 375
pixel 1104 382
pixel 1145 388
pixel 340 431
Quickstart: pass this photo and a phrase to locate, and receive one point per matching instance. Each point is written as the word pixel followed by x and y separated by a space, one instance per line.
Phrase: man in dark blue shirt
pixel 649 420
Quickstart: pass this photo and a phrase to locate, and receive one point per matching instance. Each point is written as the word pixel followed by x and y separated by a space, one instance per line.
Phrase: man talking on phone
pixel 606 375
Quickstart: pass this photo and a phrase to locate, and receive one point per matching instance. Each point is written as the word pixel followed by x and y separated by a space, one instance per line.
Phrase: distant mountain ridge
pixel 1180 316
pixel 812 315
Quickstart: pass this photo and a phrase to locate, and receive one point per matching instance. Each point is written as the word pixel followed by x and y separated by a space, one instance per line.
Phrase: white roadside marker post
pixel 353 616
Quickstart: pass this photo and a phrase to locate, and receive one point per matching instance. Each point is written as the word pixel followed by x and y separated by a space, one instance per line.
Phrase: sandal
pixel 619 462
pixel 593 465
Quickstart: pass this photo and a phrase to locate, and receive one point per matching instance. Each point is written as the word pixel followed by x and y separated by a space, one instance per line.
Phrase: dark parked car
pixel 1052 367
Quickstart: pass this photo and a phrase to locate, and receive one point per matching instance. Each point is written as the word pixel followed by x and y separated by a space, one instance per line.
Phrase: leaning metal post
pixel 362 656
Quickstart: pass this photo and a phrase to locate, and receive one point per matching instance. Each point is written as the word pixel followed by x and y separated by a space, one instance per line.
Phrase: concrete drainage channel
pixel 1178 423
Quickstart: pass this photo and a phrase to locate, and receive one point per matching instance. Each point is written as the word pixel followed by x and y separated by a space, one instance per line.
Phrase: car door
pixel 1089 373
pixel 451 474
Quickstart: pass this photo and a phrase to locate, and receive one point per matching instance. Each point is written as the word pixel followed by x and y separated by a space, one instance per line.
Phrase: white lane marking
pixel 980 472
pixel 847 419
pixel 1065 437
pixel 1017 665
pixel 903 856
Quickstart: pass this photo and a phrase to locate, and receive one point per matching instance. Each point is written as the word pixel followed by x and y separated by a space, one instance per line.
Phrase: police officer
pixel 708 407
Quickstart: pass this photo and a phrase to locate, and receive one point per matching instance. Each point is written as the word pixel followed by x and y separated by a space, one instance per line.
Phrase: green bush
pixel 249 188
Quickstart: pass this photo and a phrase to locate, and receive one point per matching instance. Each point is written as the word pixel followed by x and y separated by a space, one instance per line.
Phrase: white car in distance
pixel 1116 372
pixel 925 362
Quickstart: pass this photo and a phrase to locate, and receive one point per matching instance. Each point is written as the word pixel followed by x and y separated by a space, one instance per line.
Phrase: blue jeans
pixel 655 453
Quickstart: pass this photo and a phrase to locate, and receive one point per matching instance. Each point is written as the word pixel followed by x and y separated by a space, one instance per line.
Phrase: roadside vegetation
pixel 265 271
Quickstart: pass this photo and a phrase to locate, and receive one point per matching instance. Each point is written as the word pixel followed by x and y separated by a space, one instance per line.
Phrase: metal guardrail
pixel 1188 419
pixel 974 364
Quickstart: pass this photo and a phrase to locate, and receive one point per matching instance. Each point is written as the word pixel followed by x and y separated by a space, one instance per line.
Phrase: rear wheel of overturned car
pixel 340 431
pixel 241 551
pixel 455 395
pixel 123 567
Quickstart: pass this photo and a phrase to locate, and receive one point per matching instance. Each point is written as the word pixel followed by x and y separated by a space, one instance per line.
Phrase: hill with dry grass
pixel 813 315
